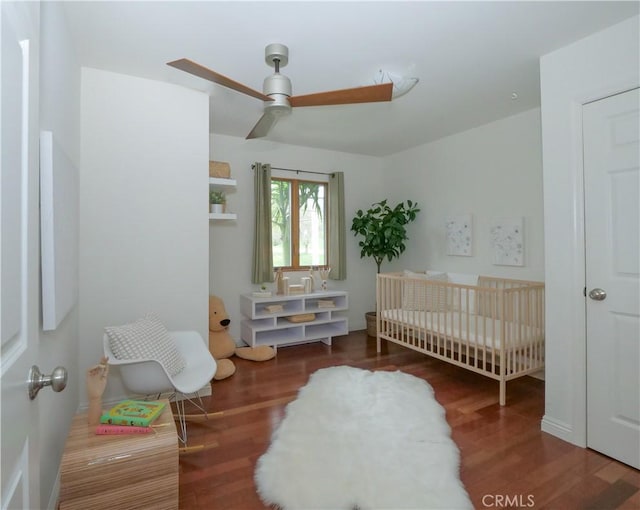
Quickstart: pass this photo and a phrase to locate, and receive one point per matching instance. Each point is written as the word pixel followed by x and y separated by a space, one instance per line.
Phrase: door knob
pixel 597 294
pixel 37 380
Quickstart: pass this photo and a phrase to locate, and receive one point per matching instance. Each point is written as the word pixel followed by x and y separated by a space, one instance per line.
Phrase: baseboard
pixel 55 493
pixel 538 375
pixel 557 428
pixel 203 392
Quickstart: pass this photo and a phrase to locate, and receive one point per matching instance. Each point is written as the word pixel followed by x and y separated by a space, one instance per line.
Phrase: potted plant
pixel 217 199
pixel 383 231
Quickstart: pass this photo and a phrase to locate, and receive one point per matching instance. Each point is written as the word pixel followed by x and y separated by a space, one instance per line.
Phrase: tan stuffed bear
pixel 222 346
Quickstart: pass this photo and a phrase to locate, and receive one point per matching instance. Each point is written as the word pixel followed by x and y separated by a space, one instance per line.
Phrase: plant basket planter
pixel 372 329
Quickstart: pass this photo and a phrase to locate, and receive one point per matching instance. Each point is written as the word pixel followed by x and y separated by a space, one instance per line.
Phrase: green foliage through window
pixel 298 217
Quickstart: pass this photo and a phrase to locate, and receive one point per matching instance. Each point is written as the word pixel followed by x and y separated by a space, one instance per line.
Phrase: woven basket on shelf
pixel 219 169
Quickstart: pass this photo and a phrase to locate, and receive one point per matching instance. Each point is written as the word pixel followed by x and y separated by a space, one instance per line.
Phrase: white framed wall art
pixel 459 231
pixel 58 231
pixel 507 241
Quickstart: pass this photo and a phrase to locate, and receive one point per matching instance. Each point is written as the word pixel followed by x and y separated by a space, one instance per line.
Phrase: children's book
pixel 137 413
pixel 103 430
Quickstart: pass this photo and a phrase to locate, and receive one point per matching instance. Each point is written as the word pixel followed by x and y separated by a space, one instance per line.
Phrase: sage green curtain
pixel 337 228
pixel 262 254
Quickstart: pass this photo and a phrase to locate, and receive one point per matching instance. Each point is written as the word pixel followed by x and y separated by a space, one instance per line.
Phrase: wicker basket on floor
pixel 372 329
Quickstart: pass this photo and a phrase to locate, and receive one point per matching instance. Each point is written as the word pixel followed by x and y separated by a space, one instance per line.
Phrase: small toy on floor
pixel 222 346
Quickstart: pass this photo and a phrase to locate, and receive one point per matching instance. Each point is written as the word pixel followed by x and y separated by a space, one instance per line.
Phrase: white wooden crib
pixel 494 328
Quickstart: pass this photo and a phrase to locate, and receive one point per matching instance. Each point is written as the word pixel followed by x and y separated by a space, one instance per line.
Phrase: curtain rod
pixel 297 171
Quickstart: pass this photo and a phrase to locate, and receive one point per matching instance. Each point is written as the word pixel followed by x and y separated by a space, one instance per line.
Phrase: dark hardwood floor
pixel 506 461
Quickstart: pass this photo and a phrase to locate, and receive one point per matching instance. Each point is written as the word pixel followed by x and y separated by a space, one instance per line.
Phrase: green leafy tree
pixel 308 192
pixel 383 229
pixel 281 214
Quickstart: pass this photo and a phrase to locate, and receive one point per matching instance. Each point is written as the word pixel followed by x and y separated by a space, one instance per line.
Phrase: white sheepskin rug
pixel 356 439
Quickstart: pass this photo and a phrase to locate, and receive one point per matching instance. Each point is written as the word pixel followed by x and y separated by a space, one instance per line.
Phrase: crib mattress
pixel 466 327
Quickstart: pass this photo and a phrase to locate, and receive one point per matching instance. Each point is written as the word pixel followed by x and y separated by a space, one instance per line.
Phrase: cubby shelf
pixel 263 327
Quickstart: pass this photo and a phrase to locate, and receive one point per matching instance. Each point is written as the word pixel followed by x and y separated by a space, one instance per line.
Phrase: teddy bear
pixel 222 346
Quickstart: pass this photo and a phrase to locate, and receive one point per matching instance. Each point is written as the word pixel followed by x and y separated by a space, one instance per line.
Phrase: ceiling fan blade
pixel 263 126
pixel 191 67
pixel 367 94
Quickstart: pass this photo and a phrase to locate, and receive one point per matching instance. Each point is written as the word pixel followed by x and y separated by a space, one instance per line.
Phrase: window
pixel 298 223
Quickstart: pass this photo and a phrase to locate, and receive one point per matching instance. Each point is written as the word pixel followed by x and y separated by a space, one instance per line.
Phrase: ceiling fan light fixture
pixel 401 84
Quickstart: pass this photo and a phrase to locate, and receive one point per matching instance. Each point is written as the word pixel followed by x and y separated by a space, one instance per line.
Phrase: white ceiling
pixel 470 58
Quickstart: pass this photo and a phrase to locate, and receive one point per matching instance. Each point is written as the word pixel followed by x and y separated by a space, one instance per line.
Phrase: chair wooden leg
pixel 182 423
pixel 182 417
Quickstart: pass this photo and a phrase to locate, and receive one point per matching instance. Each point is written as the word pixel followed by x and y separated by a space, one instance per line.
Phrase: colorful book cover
pixel 137 413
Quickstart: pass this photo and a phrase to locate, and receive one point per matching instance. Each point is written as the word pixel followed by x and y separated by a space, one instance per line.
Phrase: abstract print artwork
pixel 459 235
pixel 507 241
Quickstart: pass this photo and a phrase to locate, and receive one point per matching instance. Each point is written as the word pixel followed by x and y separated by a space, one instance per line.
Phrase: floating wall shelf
pixel 220 183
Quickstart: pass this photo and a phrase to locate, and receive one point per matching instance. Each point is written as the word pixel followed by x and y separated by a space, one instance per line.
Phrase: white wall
pixel 143 208
pixel 600 65
pixel 493 171
pixel 231 243
pixel 59 113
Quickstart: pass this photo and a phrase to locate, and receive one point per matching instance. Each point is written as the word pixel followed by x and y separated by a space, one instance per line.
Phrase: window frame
pixel 295 221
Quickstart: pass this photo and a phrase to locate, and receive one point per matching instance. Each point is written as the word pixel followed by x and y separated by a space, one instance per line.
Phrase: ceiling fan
pixel 276 89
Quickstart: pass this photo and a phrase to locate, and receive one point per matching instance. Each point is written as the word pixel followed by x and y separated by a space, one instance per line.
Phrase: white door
pixel 19 251
pixel 612 227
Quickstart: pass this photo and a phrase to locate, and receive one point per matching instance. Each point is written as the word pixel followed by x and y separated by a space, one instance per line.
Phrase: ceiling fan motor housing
pixel 278 87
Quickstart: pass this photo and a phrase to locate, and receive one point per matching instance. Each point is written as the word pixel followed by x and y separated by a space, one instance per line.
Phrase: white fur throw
pixel 366 440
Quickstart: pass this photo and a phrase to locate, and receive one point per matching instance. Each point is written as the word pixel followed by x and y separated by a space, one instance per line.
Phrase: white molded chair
pixel 149 376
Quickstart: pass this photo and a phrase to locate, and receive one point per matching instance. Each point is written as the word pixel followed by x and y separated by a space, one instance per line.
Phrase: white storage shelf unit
pixel 262 327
